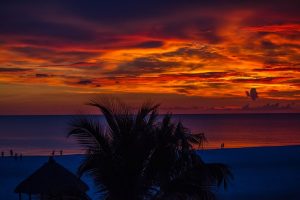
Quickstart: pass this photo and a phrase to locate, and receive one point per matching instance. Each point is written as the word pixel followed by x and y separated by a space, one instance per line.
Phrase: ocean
pixel 40 135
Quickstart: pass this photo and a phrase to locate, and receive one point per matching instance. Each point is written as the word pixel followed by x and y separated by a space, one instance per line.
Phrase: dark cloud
pixel 204 29
pixel 42 75
pixel 268 107
pixel 203 76
pixel 150 44
pixel 283 54
pixel 265 80
pixel 278 69
pixel 189 88
pixel 85 82
pixel 203 53
pixel 288 94
pixel 185 89
pixel 13 69
pixel 293 82
pixel 83 65
pixel 77 65
pixel 218 85
pixel 54 56
pixel 71 80
pixel 29 25
pixel 264 48
pixel 101 40
pixel 268 45
pixel 144 65
pixel 213 74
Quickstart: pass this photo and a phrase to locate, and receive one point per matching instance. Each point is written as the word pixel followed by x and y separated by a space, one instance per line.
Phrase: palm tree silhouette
pixel 136 156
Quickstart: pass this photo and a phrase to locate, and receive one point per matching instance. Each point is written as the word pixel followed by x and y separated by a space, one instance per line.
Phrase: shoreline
pixel 198 149
pixel 250 147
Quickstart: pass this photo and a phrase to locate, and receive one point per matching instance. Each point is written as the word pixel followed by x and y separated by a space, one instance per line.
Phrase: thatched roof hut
pixel 53 181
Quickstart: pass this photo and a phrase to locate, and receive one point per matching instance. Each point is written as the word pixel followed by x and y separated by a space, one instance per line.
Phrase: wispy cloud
pixel 13 69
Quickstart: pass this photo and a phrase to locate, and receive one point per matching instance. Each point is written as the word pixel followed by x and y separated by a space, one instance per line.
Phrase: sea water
pixel 41 135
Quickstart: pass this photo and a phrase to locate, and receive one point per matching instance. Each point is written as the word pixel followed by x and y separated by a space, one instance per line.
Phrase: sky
pixel 189 56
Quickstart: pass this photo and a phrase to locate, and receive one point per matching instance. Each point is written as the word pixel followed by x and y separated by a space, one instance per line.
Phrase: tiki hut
pixel 52 181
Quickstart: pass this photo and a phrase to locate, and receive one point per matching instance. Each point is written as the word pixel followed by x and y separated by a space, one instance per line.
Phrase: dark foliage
pixel 136 156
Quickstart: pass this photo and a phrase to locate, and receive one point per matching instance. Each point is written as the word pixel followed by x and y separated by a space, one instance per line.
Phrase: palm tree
pixel 135 156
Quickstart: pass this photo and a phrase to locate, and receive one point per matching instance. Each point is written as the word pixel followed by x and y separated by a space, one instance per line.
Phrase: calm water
pixel 42 134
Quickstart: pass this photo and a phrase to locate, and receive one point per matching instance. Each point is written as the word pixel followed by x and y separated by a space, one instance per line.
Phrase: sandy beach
pixel 262 173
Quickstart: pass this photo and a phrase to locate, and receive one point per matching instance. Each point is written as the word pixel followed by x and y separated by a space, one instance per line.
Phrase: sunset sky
pixel 192 57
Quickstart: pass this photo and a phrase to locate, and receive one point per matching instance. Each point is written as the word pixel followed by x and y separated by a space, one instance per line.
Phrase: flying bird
pixel 252 94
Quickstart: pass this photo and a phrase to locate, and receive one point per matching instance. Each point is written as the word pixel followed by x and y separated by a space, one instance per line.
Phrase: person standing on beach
pixel 11 152
pixel 222 145
pixel 16 156
pixel 2 154
pixel 61 152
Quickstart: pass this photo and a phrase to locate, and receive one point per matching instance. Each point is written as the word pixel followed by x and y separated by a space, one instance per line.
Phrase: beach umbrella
pixel 53 181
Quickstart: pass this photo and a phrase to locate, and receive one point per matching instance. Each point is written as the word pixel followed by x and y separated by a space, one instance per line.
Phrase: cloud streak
pixel 13 70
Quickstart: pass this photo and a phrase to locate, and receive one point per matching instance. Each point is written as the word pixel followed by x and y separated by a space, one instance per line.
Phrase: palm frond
pixel 219 173
pixel 88 164
pixel 147 109
pixel 197 139
pixel 89 134
pixel 108 109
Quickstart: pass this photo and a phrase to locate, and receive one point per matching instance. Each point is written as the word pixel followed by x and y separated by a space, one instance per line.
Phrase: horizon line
pixel 223 113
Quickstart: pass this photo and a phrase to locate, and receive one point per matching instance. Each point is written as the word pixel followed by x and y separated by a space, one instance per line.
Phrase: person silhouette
pixel 11 152
pixel 2 154
pixel 61 152
pixel 53 153
pixel 222 145
pixel 16 156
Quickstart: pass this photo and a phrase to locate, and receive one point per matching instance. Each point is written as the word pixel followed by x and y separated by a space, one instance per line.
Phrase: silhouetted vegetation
pixel 137 156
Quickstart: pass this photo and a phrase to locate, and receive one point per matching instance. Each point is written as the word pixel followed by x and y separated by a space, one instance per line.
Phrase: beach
pixel 263 173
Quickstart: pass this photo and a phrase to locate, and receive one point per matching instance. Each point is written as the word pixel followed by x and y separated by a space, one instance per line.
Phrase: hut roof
pixel 52 178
